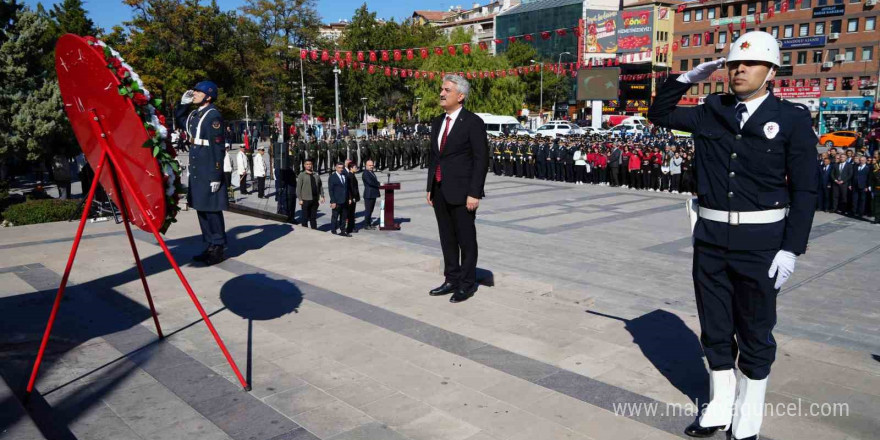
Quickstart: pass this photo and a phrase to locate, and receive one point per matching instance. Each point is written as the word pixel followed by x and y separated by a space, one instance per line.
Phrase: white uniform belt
pixel 202 142
pixel 745 217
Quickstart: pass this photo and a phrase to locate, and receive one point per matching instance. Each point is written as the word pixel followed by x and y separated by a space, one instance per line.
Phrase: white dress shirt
pixel 751 108
pixel 453 117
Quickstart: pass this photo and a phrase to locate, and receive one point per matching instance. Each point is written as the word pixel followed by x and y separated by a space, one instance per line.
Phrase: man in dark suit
pixel 825 185
pixel 354 196
pixel 756 180
pixel 371 193
pixel 860 187
pixel 614 165
pixel 339 199
pixel 841 175
pixel 458 162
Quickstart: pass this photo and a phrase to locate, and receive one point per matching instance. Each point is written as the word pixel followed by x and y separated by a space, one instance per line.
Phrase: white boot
pixel 749 408
pixel 722 392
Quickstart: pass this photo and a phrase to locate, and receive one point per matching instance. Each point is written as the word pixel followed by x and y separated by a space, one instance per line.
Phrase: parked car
pixel 555 128
pixel 497 125
pixel 839 139
pixel 591 130
pixel 628 129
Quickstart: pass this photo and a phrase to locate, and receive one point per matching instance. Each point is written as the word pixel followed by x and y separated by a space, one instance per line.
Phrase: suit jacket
pixel 339 193
pixel 353 192
pixel 860 178
pixel 825 176
pixel 464 161
pixel 371 185
pixel 614 159
pixel 769 163
pixel 846 174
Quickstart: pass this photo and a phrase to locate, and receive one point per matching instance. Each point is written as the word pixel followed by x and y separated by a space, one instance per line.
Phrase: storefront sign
pixel 601 31
pixel 829 11
pixel 635 30
pixel 797 92
pixel 797 43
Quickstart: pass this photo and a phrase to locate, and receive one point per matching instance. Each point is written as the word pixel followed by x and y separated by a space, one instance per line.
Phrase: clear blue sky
pixel 107 13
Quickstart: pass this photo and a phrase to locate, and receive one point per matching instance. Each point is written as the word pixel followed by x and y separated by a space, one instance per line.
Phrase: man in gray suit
pixel 841 175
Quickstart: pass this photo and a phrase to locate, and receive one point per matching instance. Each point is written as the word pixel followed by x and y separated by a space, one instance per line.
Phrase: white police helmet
pixel 755 46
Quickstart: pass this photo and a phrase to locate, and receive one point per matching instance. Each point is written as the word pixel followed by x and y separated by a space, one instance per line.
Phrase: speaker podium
pixel 388 212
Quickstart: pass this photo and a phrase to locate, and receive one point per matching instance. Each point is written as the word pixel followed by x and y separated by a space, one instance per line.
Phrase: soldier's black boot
pixel 695 430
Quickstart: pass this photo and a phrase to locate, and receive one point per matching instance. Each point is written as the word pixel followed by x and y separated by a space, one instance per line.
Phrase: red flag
pixel 372 56
pixel 409 54
pixel 387 71
pixel 511 39
pixel 438 50
pixel 384 55
pixel 545 35
pixel 325 56
pixel 397 55
pixel 403 73
pixel 314 55
pixel 730 29
pixel 394 71
pixel 483 45
pixel 360 57
pixel 498 41
pixel 430 75
pixel 742 24
pixel 303 54
pixel 771 11
pixel 675 46
pixel 466 48
pixel 681 8
pixel 492 74
pixel 577 31
pixel 527 37
pixel 757 18
pixel 574 73
pixel 348 57
pixel 784 6
pixel 561 32
pixel 470 76
pixel 247 144
pixel 337 56
pixel 371 69
pixel 418 74
pixel 451 49
pixel 423 52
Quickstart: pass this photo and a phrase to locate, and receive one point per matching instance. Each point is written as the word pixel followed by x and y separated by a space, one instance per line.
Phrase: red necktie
pixel 438 176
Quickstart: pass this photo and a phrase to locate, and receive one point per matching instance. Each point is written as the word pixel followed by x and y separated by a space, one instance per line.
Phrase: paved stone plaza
pixel 585 328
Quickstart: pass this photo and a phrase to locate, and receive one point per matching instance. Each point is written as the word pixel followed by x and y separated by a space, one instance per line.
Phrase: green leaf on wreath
pixel 155 151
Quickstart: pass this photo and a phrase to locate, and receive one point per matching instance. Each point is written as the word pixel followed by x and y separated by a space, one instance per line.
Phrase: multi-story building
pixel 829 51
pixel 478 20
pixel 333 31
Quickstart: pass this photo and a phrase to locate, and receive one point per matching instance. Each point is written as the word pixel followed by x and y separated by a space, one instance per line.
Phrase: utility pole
pixel 336 73
pixel 541 105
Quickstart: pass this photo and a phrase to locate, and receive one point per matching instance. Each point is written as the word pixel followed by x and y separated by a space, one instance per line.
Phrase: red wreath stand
pixel 112 135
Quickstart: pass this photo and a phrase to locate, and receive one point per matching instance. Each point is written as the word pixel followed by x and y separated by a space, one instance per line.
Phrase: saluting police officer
pixel 756 183
pixel 206 191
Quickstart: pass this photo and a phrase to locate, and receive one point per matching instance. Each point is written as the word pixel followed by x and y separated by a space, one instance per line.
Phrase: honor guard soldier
pixel 756 181
pixel 206 191
pixel 520 159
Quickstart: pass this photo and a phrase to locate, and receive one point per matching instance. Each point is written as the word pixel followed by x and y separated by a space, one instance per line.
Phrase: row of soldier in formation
pixel 387 153
pixel 647 162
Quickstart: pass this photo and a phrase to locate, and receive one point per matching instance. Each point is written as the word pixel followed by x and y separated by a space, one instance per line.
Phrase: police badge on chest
pixel 771 129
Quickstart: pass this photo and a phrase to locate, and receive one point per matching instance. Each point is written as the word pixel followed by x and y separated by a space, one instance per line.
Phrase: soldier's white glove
pixel 215 186
pixel 701 72
pixel 187 97
pixel 782 267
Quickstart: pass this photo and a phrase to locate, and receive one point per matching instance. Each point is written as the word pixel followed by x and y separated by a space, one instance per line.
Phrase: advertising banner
pixel 601 32
pixel 797 43
pixel 797 92
pixel 635 30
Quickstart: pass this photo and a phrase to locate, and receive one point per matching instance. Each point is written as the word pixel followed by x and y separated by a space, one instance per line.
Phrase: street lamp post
pixel 247 122
pixel 311 110
pixel 366 125
pixel 541 104
pixel 558 64
pixel 302 82
pixel 336 73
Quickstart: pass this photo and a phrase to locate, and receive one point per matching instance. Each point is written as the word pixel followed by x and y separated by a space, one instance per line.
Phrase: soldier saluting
pixel 206 191
pixel 756 182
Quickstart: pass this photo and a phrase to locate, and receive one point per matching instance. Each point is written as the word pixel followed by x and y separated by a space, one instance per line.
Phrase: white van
pixel 497 125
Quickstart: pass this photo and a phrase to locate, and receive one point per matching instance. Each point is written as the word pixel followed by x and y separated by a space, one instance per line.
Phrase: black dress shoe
pixel 462 294
pixel 445 289
pixel 216 256
pixel 695 430
pixel 204 255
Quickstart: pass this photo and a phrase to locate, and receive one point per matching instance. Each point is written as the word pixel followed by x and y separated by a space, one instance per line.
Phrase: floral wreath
pixel 154 122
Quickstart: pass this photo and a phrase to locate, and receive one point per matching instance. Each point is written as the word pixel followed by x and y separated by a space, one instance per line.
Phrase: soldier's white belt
pixel 202 142
pixel 743 218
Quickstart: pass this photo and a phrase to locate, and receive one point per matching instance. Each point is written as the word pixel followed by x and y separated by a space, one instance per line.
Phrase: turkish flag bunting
pixel 757 18
pixel 394 72
pixel 371 69
pixel 771 11
pixel 337 56
pixel 483 45
pixel 784 6
pixel 384 55
pixel 348 57
pixel 372 56
pixel 528 37
pixel 511 39
pixel 325 56
pixel 675 46
pixel 706 37
pixel 561 32
pixel 397 55
pixel 545 35
pixel 492 74
pixel 303 54
pixel 423 52
pixel 418 74
pixel 681 8
pixel 498 41
pixel 438 50
pixel 314 55
pixel 730 29
pixel 466 48
pixel 742 24
pixel 409 54
pixel 360 56
pixel 577 31
pixel 403 73
pixel 470 76
pixel 451 49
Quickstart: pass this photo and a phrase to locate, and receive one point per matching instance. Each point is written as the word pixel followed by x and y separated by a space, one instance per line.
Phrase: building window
pixel 685 41
pixel 698 15
pixel 804 30
pixel 752 8
pixel 698 39
pixel 820 28
pixel 815 82
pixel 835 25
pixel 708 60
pixel 832 53
pixel 719 87
pixel 695 62
pixel 821 2
pixel 868 53
pixel 789 31
pixel 786 58
pixel 710 13
pixel 695 89
pixel 852 25
pixel 684 65
pixel 802 57
pixel 722 37
pixel 724 12
pixel 830 84
pixel 864 82
pixel 799 82
pixel 849 54
pixel 847 83
pixel 817 56
pixel 706 88
pixel 711 39
pixel 805 4
pixel 870 23
pixel 686 17
pixel 773 31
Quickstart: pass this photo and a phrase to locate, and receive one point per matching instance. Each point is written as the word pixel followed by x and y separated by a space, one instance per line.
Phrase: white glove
pixel 187 97
pixel 782 267
pixel 701 72
pixel 215 186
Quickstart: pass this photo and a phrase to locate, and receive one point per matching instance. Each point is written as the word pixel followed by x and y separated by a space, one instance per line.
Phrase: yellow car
pixel 839 139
